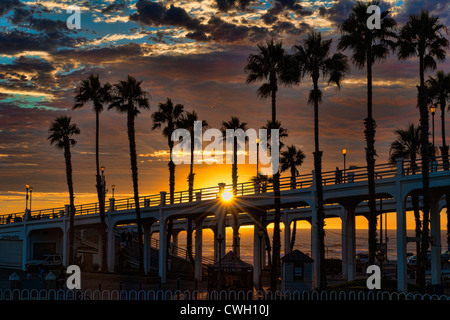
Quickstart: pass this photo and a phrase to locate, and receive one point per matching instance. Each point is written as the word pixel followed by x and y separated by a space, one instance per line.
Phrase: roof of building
pixel 231 261
pixel 297 256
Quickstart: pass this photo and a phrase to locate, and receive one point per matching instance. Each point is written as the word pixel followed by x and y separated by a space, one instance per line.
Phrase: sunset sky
pixel 193 52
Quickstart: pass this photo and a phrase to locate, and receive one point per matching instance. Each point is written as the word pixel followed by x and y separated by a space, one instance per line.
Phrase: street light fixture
pixel 257 157
pixel 31 193
pixel 344 153
pixel 113 187
pixel 26 198
pixel 103 183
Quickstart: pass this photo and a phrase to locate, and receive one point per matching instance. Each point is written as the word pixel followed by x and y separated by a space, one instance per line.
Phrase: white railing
pixel 35 294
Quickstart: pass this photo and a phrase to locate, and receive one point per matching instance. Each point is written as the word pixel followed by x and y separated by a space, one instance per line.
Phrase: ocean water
pixel 333 242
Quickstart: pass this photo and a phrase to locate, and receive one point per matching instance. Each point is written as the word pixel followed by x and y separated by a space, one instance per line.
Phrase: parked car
pixel 50 262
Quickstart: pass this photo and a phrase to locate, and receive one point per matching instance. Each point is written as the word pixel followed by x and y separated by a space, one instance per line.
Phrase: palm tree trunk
pixel 276 229
pixel 416 208
pixel 293 179
pixel 171 173
pixel 424 118
pixel 294 234
pixel 68 158
pixel 369 133
pixel 191 191
pixel 101 197
pixel 172 195
pixel 415 203
pixel 134 174
pixel 319 190
pixel 234 177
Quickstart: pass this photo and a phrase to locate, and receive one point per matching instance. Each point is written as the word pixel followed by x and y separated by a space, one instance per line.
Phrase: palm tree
pixel 272 64
pixel 422 36
pixel 313 58
pixel 168 114
pixel 187 121
pixel 263 182
pixel 290 160
pixel 91 90
pixel 61 134
pixel 282 133
pixel 234 124
pixel 407 146
pixel 128 97
pixel 439 94
pixel 368 46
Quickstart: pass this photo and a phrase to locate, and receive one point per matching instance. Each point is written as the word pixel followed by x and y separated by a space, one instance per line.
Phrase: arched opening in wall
pixel 178 241
pixel 208 243
pixel 333 238
pixel 302 236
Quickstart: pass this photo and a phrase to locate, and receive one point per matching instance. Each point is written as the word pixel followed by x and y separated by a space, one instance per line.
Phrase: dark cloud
pixel 156 14
pixel 283 7
pixel 101 55
pixel 439 8
pixel 7 5
pixel 338 12
pixel 216 29
pixel 341 10
pixel 290 28
pixel 24 17
pixel 16 41
pixel 226 5
pixel 115 7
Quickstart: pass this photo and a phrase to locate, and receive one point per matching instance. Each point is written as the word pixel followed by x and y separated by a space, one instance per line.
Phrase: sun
pixel 227 196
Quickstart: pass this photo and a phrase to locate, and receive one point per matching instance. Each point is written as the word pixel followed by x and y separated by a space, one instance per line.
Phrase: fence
pixel 150 295
pixel 350 175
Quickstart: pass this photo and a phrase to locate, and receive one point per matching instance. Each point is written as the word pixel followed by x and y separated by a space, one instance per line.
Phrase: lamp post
pixel 26 198
pixel 257 157
pixel 344 153
pixel 103 183
pixel 113 187
pixel 433 111
pixel 31 193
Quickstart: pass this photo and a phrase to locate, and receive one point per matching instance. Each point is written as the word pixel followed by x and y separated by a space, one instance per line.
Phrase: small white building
pixel 298 269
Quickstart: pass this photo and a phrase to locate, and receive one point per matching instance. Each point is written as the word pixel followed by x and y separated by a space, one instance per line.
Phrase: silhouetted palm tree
pixel 290 160
pixel 313 58
pixel 272 64
pixel 282 133
pixel 128 97
pixel 407 146
pixel 368 46
pixel 234 124
pixel 439 94
pixel 422 37
pixel 61 134
pixel 168 114
pixel 263 181
pixel 187 122
pixel 91 90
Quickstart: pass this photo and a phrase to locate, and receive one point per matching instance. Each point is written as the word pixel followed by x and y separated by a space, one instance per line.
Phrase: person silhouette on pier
pixel 338 174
